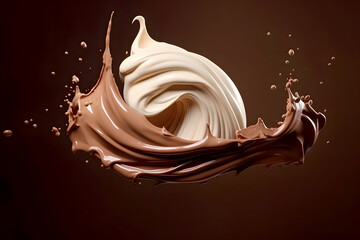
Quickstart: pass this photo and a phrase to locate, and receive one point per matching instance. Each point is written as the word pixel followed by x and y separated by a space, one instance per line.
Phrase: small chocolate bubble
pixel 26 121
pixel 66 53
pixel 273 87
pixel 31 120
pixel 279 74
pixel 53 73
pixel 80 59
pixel 291 52
pixel 60 106
pixel 86 161
pixel 268 33
pixel 325 110
pixel 297 49
pixel 327 142
pixel 332 58
pixel 7 133
pixel 83 44
pixel 46 110
pixel 126 52
pixel 287 61
pixel 321 83
pixel 329 64
pixel 290 35
pixel 35 125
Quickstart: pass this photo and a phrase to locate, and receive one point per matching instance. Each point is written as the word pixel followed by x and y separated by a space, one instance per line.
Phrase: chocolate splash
pixel 127 142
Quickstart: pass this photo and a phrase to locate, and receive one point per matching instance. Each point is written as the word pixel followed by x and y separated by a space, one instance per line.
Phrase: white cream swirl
pixel 180 90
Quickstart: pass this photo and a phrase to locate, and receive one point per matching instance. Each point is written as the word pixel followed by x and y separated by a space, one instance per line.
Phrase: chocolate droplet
pixel 74 79
pixel 83 44
pixel 7 133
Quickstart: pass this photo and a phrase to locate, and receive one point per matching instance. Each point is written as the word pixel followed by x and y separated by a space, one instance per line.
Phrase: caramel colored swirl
pixel 126 141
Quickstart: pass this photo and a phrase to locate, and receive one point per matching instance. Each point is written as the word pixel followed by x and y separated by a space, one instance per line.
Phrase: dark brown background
pixel 47 192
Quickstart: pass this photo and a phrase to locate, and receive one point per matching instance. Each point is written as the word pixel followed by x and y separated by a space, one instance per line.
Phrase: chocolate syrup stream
pixel 127 142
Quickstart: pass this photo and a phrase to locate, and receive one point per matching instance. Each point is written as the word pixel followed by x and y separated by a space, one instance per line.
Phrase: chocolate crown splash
pixel 102 123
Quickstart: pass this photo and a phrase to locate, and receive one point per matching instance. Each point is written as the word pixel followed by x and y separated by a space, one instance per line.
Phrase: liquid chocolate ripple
pixel 102 123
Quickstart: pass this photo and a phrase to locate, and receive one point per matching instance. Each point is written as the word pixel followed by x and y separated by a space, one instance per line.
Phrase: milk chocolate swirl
pixel 102 123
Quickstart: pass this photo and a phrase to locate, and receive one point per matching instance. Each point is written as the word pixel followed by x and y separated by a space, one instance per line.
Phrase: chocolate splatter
pixel 127 142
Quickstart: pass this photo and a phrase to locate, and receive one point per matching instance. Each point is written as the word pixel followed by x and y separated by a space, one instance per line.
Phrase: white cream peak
pixel 180 90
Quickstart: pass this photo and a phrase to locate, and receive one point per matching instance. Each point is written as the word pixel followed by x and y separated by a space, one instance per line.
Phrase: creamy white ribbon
pixel 180 90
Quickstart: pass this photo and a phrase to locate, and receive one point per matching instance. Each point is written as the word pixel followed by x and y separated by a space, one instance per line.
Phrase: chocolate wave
pixel 102 123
